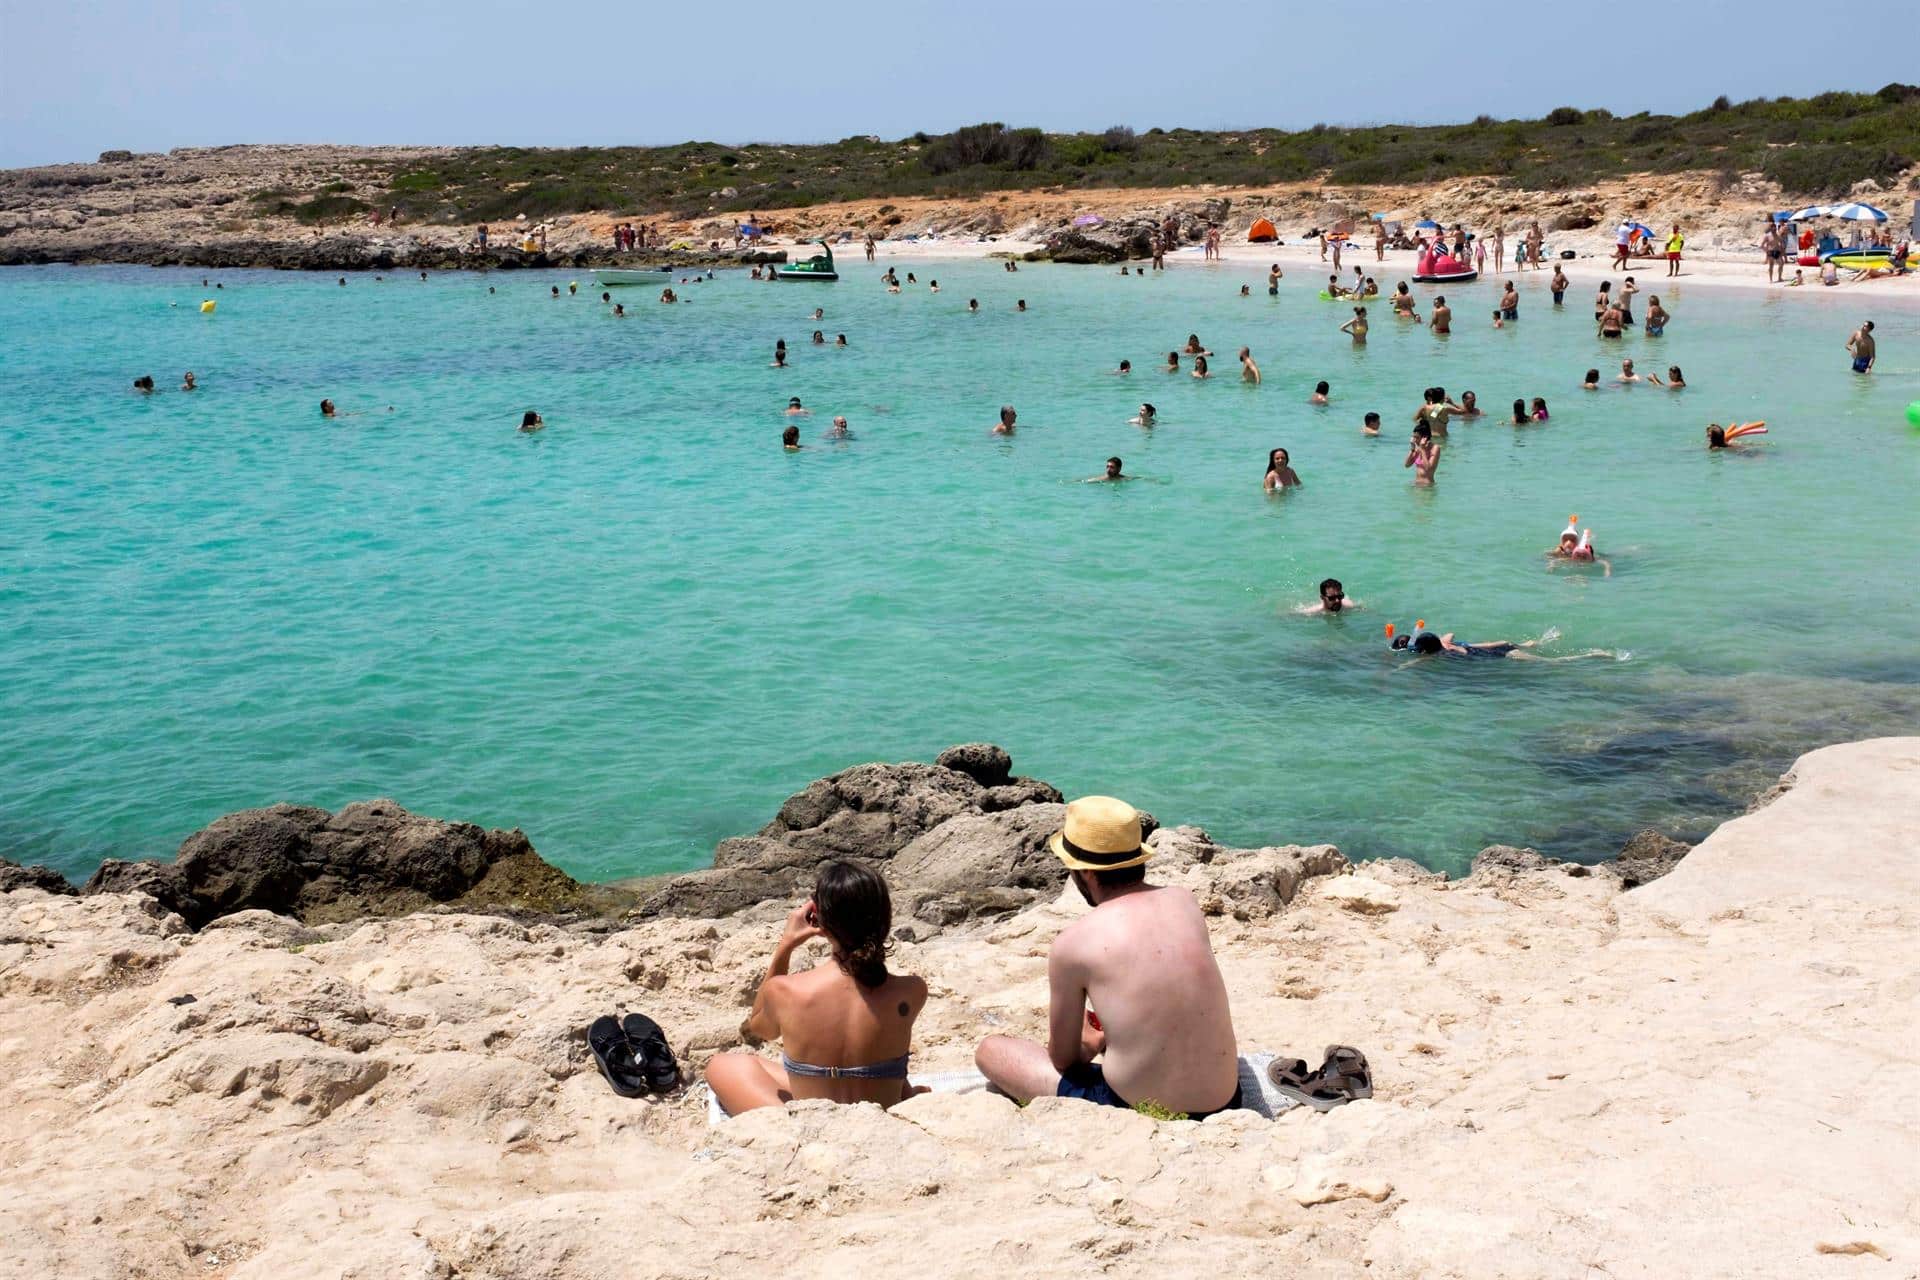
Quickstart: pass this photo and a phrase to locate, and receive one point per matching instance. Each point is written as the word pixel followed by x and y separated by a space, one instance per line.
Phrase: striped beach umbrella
pixel 1856 213
pixel 1811 211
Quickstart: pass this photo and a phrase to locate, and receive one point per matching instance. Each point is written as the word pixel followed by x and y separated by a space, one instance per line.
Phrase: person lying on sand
pixel 1163 1033
pixel 846 1028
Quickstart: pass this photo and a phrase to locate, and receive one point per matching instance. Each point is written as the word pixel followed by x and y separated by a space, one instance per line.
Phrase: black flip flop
pixel 616 1059
pixel 651 1051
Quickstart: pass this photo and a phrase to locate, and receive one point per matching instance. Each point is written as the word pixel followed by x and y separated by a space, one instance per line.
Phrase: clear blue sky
pixel 80 76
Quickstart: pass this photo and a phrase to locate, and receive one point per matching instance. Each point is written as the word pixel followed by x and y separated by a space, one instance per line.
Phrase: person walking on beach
pixel 1861 346
pixel 1163 1031
pixel 1499 249
pixel 869 246
pixel 1622 246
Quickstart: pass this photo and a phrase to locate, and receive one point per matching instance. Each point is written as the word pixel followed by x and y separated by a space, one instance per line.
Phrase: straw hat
pixel 1101 834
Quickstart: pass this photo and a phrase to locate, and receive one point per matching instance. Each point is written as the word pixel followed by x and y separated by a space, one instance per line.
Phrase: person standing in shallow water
pixel 1121 1032
pixel 1423 455
pixel 845 1027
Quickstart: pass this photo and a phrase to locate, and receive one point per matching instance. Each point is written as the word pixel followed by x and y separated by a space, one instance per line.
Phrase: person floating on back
pixel 1163 1032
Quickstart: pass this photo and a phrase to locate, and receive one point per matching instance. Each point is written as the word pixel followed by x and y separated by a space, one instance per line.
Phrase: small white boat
pixel 632 275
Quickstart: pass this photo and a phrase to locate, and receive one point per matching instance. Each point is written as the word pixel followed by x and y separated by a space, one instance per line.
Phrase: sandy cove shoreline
pixel 1719 1066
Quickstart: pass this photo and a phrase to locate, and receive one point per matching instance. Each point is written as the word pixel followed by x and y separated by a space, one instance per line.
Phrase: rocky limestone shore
pixel 1714 1072
pixel 202 207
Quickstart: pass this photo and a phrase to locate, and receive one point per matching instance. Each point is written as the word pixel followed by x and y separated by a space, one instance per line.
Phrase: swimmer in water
pixel 819 338
pixel 327 410
pixel 1335 289
pixel 1520 417
pixel 1112 473
pixel 187 383
pixel 1403 304
pixel 1442 320
pixel 840 340
pixel 912 279
pixel 819 313
pixel 620 310
pixel 790 440
pixel 556 289
pixel 839 430
pixel 779 356
pixel 1193 347
pixel 973 306
pixel 1173 363
pixel 1333 599
pixel 1273 280
pixel 1021 305
pixel 1539 409
pixel 1246 291
pixel 1320 393
pixel 795 410
pixel 604 297
pixel 1200 367
pixel 1427 645
pixel 1423 454
pixel 1510 303
pixel 1719 437
pixel 1004 427
pixel 933 286
pixel 1370 425
pixel 573 287
pixel 1357 327
pixel 1657 317
pixel 1559 285
pixel 1498 323
pixel 1592 381
pixel 1676 381
pixel 1280 475
pixel 1249 371
pixel 1860 345
pixel 1627 374
pixel 1470 405
pixel 1576 547
pixel 1126 367
pixel 1148 416
pixel 668 295
pixel 144 384
pixel 531 421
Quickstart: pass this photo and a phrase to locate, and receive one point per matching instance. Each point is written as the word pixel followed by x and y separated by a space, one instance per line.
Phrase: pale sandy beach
pixel 1712 1075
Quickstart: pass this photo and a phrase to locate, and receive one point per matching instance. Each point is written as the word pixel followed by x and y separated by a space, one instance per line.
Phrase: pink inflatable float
pixel 1441 268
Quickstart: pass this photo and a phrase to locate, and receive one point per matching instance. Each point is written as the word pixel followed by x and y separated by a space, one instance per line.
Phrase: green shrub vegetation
pixel 1814 147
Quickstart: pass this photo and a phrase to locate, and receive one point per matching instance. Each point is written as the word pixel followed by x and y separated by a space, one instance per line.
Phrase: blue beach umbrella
pixel 1784 215
pixel 1427 224
pixel 748 230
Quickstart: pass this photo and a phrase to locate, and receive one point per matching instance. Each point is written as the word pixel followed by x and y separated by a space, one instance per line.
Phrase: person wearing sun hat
pixel 1163 1033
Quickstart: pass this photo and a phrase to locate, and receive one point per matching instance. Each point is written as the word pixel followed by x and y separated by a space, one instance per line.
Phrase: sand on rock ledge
pixel 1717 1074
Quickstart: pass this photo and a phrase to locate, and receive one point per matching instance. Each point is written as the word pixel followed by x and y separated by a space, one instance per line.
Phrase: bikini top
pixel 891 1069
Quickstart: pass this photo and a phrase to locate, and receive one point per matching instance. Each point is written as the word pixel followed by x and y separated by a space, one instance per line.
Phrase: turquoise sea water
pixel 636 632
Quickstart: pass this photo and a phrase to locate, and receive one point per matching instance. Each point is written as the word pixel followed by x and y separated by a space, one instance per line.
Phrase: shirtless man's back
pixel 1142 964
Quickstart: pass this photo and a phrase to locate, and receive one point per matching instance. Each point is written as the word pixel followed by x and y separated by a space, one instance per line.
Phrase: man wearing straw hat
pixel 1162 1033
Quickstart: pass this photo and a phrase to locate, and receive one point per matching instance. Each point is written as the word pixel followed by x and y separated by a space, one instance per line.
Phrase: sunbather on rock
pixel 845 1028
pixel 1163 1033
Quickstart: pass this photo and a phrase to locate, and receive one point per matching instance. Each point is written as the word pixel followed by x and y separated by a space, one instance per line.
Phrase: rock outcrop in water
pixel 14 876
pixel 369 859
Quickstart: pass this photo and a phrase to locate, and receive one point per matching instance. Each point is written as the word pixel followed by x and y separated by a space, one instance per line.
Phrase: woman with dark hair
pixel 845 1028
pixel 1280 475
pixel 1520 418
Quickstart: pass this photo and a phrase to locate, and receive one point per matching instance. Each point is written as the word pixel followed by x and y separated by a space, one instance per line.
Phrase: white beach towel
pixel 1257 1094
